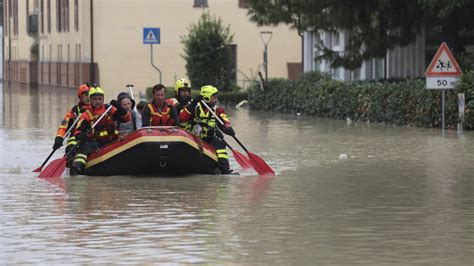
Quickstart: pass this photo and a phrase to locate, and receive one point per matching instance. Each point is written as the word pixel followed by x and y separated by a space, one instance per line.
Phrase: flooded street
pixel 344 194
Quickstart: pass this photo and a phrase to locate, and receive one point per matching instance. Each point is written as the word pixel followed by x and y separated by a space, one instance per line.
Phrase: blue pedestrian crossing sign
pixel 151 35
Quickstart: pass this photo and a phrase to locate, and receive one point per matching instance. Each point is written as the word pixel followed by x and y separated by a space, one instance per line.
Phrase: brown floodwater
pixel 344 193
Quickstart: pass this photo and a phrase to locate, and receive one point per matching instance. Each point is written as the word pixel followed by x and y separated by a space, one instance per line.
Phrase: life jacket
pixel 125 127
pixel 105 131
pixel 206 120
pixel 163 117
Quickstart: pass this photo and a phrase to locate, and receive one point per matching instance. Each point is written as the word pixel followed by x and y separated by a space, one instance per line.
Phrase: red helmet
pixel 84 88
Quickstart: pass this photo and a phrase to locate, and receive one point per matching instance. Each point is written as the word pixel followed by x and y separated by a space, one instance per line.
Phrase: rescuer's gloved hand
pixel 229 131
pixel 58 142
pixel 219 134
pixel 115 103
pixel 197 99
pixel 121 111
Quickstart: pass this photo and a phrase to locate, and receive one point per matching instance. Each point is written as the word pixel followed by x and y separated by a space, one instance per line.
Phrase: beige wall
pixel 122 57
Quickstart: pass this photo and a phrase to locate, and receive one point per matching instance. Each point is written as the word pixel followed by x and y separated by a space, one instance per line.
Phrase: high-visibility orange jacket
pixel 105 131
pixel 69 119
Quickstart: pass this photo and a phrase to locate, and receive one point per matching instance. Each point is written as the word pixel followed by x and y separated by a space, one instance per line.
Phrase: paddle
pixel 130 91
pixel 257 163
pixel 37 170
pixel 239 157
pixel 56 167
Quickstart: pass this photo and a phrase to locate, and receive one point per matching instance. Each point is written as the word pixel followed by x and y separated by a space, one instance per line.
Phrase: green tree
pixel 374 26
pixel 208 53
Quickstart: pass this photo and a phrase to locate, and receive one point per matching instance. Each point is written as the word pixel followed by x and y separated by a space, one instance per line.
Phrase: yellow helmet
pixel 181 83
pixel 207 92
pixel 96 91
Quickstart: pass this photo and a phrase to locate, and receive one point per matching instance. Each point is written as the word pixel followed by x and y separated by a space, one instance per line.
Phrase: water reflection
pixel 26 107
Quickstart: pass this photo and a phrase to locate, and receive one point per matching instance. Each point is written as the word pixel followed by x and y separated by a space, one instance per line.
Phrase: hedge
pixel 402 102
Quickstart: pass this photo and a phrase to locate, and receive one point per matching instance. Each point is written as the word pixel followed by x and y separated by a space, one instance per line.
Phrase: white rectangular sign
pixel 441 83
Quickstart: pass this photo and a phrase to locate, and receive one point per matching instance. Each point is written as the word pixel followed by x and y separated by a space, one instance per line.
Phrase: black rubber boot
pixel 76 169
pixel 224 167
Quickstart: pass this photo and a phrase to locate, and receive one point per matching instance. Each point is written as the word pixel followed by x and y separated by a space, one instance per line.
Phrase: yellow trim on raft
pixel 148 139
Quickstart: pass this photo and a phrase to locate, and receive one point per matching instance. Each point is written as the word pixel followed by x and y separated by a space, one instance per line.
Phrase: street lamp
pixel 266 37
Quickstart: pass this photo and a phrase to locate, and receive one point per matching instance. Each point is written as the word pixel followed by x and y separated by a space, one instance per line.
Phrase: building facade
pixel 400 62
pixel 67 42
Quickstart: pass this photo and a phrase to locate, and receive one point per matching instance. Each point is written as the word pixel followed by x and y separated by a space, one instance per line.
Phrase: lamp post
pixel 266 37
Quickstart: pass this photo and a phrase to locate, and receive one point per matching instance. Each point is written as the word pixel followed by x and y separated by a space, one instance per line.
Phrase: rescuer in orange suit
pixel 68 120
pixel 103 133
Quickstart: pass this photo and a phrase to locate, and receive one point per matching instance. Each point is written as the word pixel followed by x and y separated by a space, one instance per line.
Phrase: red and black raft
pixel 154 151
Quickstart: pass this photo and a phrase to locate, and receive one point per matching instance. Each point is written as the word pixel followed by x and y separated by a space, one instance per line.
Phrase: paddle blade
pixel 54 169
pixel 242 160
pixel 37 170
pixel 260 165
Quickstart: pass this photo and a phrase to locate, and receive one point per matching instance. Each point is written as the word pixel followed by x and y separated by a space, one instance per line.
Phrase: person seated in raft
pixel 140 106
pixel 103 133
pixel 159 112
pixel 206 125
pixel 68 120
pixel 127 103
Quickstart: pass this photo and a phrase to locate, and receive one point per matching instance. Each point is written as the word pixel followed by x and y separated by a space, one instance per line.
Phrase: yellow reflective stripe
pixel 71 141
pixel 202 113
pixel 187 111
pixel 224 117
pixel 103 133
pixel 80 155
pixel 90 115
pixel 222 153
pixel 80 160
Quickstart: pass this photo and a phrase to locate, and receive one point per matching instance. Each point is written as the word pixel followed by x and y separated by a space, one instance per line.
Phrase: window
pixel 76 15
pixel 356 74
pixel 200 3
pixel 15 17
pixel 336 39
pixel 243 3
pixel 27 15
pixel 58 64
pixel 59 16
pixel 49 15
pixel 42 16
pixel 379 68
pixel 66 15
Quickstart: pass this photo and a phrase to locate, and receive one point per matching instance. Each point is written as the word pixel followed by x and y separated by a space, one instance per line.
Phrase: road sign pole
pixel 152 64
pixel 461 107
pixel 443 92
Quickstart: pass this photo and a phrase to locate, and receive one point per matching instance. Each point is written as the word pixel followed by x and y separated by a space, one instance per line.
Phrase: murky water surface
pixel 402 196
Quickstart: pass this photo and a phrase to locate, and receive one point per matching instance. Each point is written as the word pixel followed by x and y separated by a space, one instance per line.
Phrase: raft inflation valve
pixel 149 130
